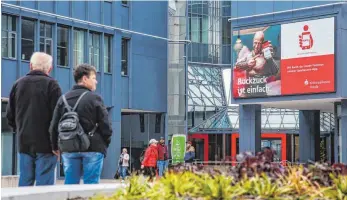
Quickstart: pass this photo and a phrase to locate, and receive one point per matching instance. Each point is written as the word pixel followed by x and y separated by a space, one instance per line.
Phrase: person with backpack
pixel 29 112
pixel 81 129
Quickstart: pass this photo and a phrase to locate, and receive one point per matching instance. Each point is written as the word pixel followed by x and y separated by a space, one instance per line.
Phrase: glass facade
pixel 125 58
pixel 94 50
pixel 63 46
pixel 46 35
pixel 107 53
pixel 28 38
pixel 8 36
pixel 79 44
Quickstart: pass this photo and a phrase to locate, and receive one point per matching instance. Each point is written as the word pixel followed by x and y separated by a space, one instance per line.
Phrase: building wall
pixel 145 86
pixel 248 8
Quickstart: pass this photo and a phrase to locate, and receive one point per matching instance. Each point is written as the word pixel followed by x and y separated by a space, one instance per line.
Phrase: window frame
pixel 109 57
pixel 67 45
pixel 8 38
pixel 127 56
pixel 74 50
pixel 46 38
pixel 27 39
pixel 91 48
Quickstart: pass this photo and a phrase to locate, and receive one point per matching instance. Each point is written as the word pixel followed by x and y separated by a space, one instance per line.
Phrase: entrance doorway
pixel 277 141
pixel 136 131
pixel 200 143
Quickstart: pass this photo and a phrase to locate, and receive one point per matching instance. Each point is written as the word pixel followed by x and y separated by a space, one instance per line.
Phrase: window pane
pixel 4 22
pixel 63 35
pixel 107 53
pixel 42 29
pixel 28 36
pixel 94 50
pixel 78 47
pixel 62 43
pixel 48 28
pixel 49 46
pixel 28 29
pixel 4 44
pixel 27 49
pixel 46 35
pixel 204 29
pixel 12 45
pixel 11 23
pixel 42 44
pixel 124 57
pixel 8 36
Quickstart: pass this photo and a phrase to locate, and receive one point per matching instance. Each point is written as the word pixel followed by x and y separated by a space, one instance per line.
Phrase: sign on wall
pixel 287 59
pixel 178 148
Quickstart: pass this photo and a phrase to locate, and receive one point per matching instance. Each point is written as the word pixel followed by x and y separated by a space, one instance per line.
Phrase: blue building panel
pixel 79 9
pixel 108 13
pixel 24 68
pixel 63 77
pixel 150 18
pixel 282 6
pixel 8 76
pixel 108 89
pixel 149 83
pixel 63 8
pixel 94 11
pixel 125 92
pixel 47 6
pixel 124 16
pixel 29 4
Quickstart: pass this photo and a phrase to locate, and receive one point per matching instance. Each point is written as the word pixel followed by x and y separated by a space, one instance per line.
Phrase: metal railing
pixel 230 163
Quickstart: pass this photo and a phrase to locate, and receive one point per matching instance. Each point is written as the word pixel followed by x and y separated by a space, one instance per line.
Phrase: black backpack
pixel 72 137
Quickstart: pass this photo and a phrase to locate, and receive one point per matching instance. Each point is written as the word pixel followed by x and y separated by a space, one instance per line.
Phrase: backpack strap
pixel 91 133
pixel 67 106
pixel 78 101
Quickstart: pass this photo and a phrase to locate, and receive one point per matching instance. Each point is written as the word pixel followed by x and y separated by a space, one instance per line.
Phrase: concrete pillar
pixel 309 133
pixel 330 148
pixel 341 132
pixel 250 128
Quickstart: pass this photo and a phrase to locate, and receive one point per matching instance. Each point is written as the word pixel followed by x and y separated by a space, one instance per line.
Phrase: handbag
pixel 116 176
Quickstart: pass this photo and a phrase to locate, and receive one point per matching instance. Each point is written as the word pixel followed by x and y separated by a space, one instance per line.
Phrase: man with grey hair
pixel 29 112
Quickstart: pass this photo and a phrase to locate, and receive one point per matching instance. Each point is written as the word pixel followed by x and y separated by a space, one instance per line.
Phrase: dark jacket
pixel 91 111
pixel 162 152
pixel 29 111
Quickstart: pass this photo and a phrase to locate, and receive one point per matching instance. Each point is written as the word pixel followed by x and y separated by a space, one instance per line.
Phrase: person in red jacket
pixel 149 162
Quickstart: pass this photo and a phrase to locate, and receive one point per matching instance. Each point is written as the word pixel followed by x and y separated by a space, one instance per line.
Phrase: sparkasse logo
pixel 305 39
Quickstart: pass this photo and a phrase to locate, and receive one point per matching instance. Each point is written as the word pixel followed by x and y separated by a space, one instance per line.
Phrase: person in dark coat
pixel 92 114
pixel 29 112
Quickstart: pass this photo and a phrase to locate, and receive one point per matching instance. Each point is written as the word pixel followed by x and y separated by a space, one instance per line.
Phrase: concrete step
pixel 12 181
pixel 59 192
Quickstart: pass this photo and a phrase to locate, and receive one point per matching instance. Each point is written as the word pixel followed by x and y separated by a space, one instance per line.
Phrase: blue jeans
pixel 162 164
pixel 88 164
pixel 123 171
pixel 39 168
